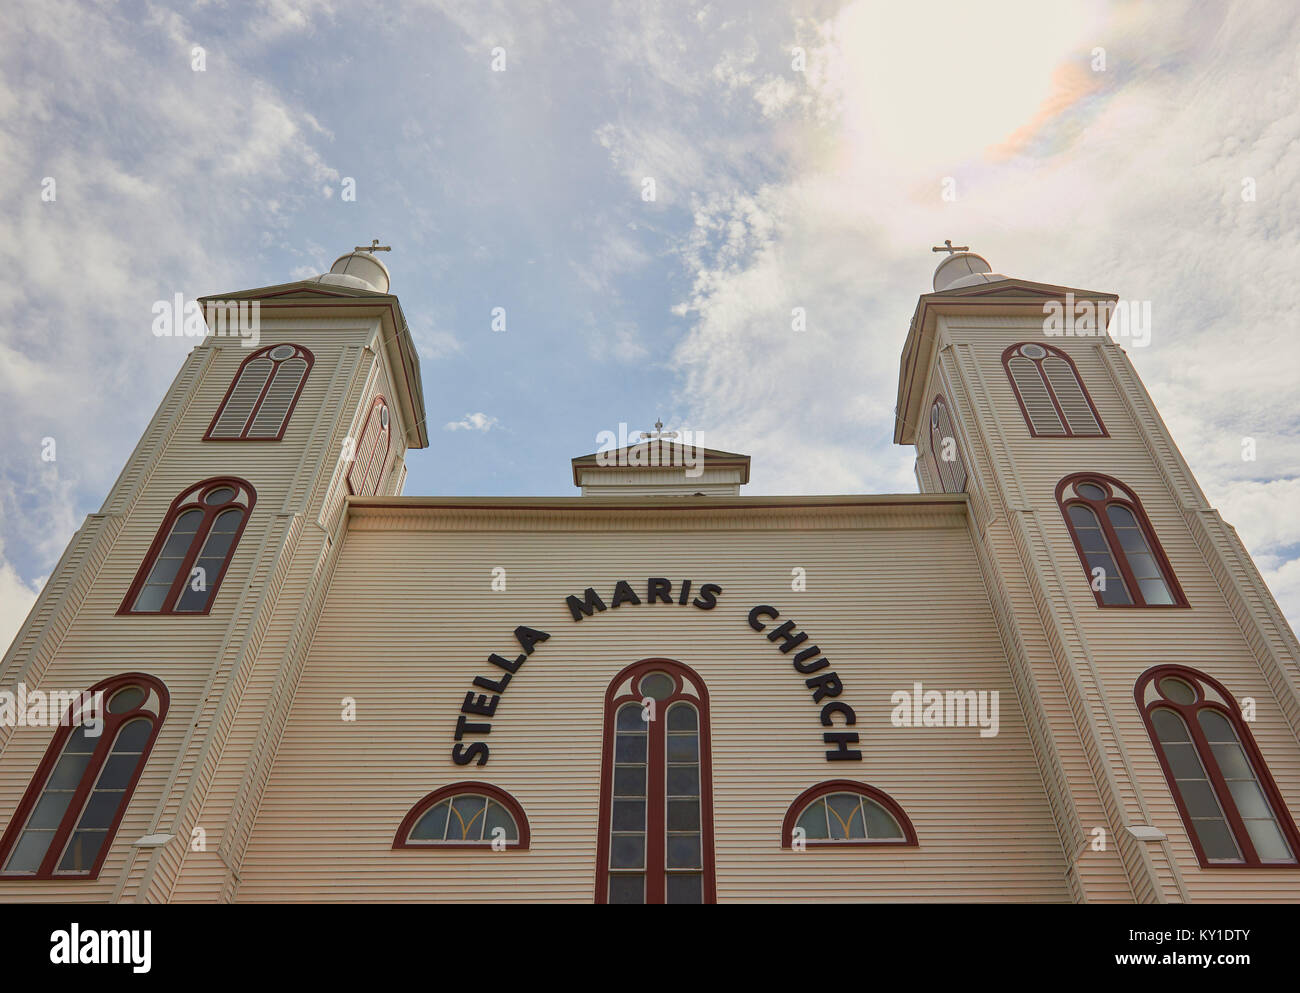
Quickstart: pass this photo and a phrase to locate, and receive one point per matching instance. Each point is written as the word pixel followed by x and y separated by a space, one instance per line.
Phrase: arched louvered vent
pixel 266 389
pixel 1050 392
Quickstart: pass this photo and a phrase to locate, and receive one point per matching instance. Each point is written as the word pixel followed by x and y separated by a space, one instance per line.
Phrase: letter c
pixel 835 707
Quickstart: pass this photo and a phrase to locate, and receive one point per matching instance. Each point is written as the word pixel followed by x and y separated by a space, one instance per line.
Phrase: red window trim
pixel 112 722
pixel 1129 499
pixel 288 414
pixel 939 465
pixel 189 500
pixel 387 434
pixel 801 802
pixel 655 887
pixel 1051 393
pixel 1210 763
pixel 400 839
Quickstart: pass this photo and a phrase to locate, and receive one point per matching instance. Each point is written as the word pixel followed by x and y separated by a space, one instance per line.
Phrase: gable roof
pixel 669 454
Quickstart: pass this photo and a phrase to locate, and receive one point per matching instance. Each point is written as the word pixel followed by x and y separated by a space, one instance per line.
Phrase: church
pixel 1053 674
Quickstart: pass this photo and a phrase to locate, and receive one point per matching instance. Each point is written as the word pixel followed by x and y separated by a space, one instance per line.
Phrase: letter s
pixel 463 755
pixel 707 599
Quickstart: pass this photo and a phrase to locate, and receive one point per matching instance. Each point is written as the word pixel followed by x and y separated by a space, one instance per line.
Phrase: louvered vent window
pixel 371 451
pixel 263 395
pixel 943 446
pixel 1051 395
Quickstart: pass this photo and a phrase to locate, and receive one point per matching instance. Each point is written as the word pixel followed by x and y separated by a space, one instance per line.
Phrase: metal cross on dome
pixel 658 432
pixel 374 246
pixel 949 247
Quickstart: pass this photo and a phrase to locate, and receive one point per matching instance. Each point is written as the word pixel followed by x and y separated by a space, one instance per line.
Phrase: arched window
pixel 464 815
pixel 263 394
pixel 1123 561
pixel 65 823
pixel 1051 395
pixel 192 550
pixel 842 813
pixel 655 842
pixel 1230 806
pixel 943 446
pixel 371 451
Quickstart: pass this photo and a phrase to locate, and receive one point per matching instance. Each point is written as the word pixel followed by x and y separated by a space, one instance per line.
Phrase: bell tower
pixel 1103 559
pixel 204 573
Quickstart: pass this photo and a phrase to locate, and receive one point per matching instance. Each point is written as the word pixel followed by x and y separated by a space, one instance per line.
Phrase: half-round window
pixel 842 812
pixel 464 815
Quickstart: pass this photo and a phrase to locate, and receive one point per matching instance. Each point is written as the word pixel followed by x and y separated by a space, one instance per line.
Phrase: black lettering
pixel 824 686
pixel 659 589
pixel 623 593
pixel 842 739
pixel 762 610
pixel 493 685
pixel 528 637
pixel 707 599
pixel 686 592
pixel 506 664
pixel 479 706
pixel 807 667
pixel 462 755
pixel 589 606
pixel 783 632
pixel 835 707
pixel 463 728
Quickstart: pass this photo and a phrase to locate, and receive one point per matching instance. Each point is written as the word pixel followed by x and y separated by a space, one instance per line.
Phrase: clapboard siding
pixel 338 789
pixel 388 601
pixel 1232 631
pixel 215 665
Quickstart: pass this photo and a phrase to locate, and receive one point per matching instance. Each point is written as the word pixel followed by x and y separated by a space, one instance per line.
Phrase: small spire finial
pixel 659 431
pixel 374 246
pixel 949 247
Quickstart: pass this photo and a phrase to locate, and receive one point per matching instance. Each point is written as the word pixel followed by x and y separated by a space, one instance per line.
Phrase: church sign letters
pixel 808 661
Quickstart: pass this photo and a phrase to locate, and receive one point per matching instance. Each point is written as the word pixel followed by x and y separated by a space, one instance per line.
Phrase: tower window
pixel 655 841
pixel 263 394
pixel 192 550
pixel 371 451
pixel 1230 806
pixel 842 813
pixel 1050 392
pixel 464 815
pixel 1123 561
pixel 64 826
pixel 943 446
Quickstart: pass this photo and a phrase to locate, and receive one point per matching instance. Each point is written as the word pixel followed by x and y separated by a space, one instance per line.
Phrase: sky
pixel 649 190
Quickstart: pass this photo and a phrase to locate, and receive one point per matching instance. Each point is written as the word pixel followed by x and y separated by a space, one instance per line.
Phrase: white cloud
pixel 472 422
pixel 165 178
pixel 16 600
pixel 1263 513
pixel 1127 180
